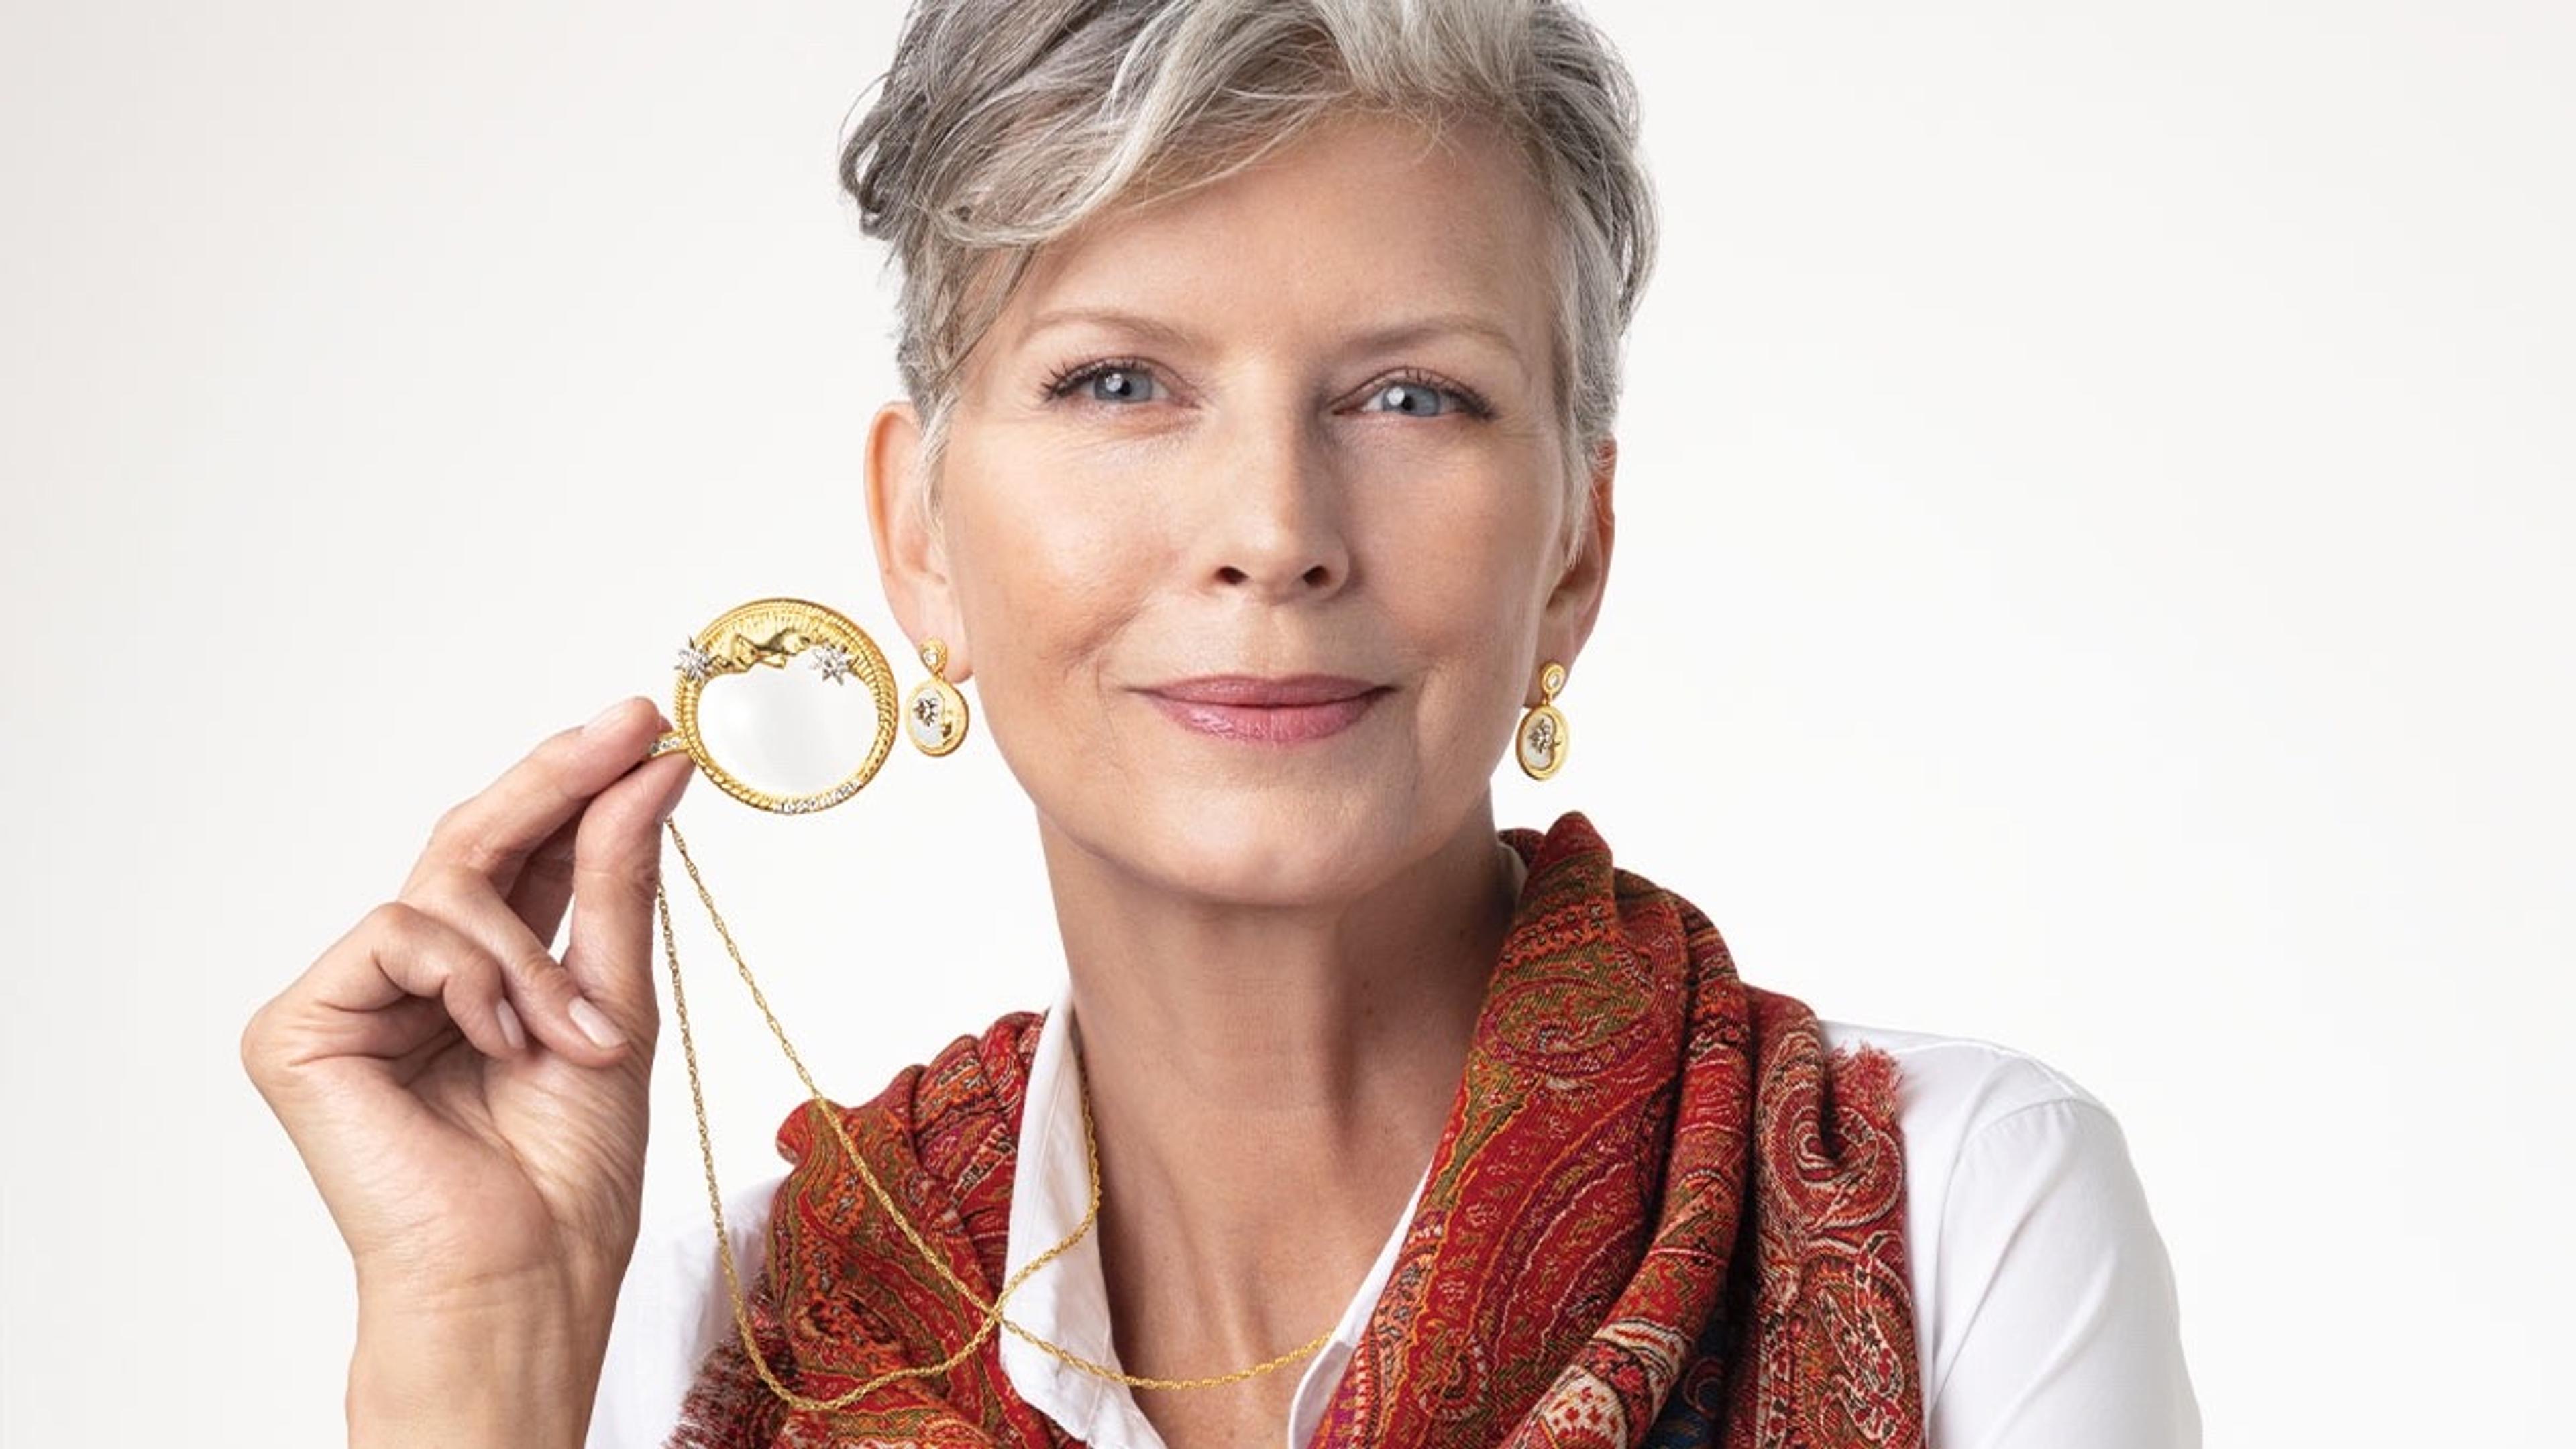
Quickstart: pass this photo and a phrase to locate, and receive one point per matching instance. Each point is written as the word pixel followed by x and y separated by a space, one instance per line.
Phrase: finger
pixel 493 833
pixel 544 888
pixel 545 884
pixel 388 985
pixel 549 1005
pixel 617 861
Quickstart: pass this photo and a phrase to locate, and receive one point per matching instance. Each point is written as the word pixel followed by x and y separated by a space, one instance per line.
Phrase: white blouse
pixel 2044 1305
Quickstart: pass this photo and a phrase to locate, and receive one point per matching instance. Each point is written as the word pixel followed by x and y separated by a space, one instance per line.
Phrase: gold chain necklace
pixel 991 1310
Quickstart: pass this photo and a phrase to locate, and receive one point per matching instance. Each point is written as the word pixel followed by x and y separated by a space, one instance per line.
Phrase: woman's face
pixel 1297 422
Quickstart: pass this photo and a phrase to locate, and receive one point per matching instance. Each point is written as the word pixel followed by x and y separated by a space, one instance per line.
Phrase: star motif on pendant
pixel 831 661
pixel 695 663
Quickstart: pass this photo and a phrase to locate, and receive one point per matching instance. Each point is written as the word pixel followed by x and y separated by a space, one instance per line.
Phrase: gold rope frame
pixel 773 633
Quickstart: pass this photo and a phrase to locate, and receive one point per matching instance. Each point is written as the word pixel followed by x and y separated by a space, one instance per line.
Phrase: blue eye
pixel 1127 381
pixel 1418 394
pixel 1415 399
pixel 1118 380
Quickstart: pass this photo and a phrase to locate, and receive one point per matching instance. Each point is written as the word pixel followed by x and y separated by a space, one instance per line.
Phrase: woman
pixel 1256 461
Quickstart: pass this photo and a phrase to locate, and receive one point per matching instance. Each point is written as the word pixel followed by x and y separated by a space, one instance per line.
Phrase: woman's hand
pixel 481 1153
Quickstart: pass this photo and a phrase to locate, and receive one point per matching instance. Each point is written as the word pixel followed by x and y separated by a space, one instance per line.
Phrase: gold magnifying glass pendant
pixel 780 634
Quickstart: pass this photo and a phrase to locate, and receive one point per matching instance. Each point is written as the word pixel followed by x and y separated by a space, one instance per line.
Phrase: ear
pixel 912 553
pixel 1566 619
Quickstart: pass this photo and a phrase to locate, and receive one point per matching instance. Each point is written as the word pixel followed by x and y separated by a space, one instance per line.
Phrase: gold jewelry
pixel 770 631
pixel 935 713
pixel 1541 741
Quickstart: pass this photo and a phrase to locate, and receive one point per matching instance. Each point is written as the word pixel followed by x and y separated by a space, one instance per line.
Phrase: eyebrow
pixel 1412 329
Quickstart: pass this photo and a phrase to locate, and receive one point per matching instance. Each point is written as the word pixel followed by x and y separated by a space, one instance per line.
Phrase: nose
pixel 1276 523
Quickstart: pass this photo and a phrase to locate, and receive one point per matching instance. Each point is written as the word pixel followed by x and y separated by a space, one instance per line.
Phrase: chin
pixel 1274 847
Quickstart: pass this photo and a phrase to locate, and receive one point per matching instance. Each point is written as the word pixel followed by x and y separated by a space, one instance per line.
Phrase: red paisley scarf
pixel 1662 1213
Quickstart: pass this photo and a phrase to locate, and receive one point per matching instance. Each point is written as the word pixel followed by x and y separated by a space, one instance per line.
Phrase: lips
pixel 1283 710
pixel 1260 692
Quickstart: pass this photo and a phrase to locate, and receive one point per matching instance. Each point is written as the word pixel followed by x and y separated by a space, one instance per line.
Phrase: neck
pixel 1268 1083
pixel 1284 1015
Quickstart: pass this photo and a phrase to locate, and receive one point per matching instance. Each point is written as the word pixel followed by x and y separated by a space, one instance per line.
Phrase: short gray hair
pixel 1002 124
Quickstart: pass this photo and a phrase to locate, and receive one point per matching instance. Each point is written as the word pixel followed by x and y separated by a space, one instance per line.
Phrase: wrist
pixel 459 1377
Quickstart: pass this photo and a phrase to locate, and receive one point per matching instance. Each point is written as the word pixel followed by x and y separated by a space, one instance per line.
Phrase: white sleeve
pixel 2060 1328
pixel 672 1309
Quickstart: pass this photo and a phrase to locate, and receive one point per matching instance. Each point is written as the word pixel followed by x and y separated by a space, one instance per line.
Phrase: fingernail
pixel 601 720
pixel 593 1024
pixel 511 1032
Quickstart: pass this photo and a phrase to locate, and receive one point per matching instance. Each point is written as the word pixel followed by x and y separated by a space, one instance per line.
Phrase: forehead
pixel 1358 223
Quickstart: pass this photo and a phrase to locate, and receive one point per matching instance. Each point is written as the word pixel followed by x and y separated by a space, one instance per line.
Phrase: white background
pixel 2094 574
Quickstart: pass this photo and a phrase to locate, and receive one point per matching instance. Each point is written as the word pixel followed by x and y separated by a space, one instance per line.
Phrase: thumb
pixel 617 861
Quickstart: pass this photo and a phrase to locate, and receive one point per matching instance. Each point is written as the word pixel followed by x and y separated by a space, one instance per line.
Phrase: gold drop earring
pixel 935 713
pixel 1541 743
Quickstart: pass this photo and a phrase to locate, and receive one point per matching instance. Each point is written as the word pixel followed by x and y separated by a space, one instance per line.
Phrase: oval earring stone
pixel 1542 741
pixel 935 716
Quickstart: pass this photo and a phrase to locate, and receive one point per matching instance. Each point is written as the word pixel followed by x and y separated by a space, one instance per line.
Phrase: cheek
pixel 1043 588
pixel 1457 563
pixel 1462 600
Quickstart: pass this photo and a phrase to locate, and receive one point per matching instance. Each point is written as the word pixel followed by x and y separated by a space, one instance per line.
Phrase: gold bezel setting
pixel 934 706
pixel 1540 741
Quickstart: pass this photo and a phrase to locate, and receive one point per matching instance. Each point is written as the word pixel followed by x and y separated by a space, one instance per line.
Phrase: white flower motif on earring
pixel 1540 743
pixel 695 663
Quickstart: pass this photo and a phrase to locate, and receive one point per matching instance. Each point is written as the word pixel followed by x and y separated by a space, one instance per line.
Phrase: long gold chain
pixel 991 1310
